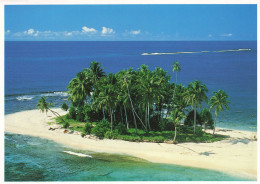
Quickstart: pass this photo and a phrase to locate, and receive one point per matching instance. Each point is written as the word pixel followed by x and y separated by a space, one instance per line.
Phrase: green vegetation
pixel 102 130
pixel 64 106
pixel 141 105
pixel 219 101
pixel 44 106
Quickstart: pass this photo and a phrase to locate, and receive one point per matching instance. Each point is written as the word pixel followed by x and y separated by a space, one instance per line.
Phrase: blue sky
pixel 130 22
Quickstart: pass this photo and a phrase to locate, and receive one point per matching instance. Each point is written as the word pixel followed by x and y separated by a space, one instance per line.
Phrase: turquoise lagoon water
pixel 36 69
pixel 35 159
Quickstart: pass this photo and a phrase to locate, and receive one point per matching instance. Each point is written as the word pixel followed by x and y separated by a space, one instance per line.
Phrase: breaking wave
pixel 77 154
pixel 24 98
pixel 57 93
pixel 205 51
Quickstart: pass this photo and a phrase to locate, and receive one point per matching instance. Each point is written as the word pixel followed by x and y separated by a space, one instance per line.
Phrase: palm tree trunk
pixel 134 112
pixel 148 117
pixel 56 114
pixel 205 125
pixel 214 125
pixel 175 86
pixel 127 125
pixel 175 133
pixel 121 113
pixel 104 113
pixel 194 119
pixel 114 112
pixel 111 119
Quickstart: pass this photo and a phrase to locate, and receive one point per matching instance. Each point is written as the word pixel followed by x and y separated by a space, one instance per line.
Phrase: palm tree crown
pixel 219 101
pixel 195 94
pixel 43 105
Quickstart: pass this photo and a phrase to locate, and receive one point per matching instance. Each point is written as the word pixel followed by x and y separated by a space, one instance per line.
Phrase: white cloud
pixel 29 32
pixel 68 34
pixel 107 31
pixel 226 34
pixel 135 32
pixel 37 33
pixel 8 31
pixel 85 29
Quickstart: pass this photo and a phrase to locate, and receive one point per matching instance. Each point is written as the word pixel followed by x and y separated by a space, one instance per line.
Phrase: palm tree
pixel 79 88
pixel 43 106
pixel 95 72
pixel 176 116
pixel 206 118
pixel 195 94
pixel 122 97
pixel 176 67
pixel 105 95
pixel 219 101
pixel 128 79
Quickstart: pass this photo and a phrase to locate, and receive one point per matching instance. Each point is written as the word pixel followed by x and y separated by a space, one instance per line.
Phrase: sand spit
pixel 235 155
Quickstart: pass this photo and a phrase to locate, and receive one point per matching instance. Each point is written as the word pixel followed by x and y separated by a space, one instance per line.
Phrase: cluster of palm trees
pixel 134 97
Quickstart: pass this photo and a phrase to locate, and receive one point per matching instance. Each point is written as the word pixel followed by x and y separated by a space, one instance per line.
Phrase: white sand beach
pixel 235 155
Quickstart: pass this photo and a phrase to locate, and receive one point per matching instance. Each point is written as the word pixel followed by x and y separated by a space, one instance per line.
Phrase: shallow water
pixel 35 159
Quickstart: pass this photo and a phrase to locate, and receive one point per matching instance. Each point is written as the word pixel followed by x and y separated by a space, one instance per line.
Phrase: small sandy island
pixel 235 155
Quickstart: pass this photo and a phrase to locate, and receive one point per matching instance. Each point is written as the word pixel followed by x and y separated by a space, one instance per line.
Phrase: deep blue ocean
pixel 35 69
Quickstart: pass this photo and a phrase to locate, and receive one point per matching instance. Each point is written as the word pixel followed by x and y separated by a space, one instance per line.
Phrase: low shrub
pixel 80 114
pixel 92 115
pixel 64 106
pixel 87 128
pixel 121 128
pixel 190 119
pixel 157 139
pixel 111 134
pixel 100 129
pixel 80 117
pixel 66 125
pixel 83 134
pixel 165 125
pixel 199 131
pixel 72 113
pixel 206 117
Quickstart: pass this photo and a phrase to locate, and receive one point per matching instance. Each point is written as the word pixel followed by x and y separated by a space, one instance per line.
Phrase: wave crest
pixel 166 53
pixel 24 97
pixel 77 154
pixel 57 93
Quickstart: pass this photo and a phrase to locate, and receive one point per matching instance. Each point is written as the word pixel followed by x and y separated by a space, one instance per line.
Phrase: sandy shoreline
pixel 236 155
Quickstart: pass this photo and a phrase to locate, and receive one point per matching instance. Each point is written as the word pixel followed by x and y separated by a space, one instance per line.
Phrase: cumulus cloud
pixel 68 34
pixel 107 31
pixel 85 29
pixel 135 32
pixel 36 33
pixel 29 31
pixel 226 34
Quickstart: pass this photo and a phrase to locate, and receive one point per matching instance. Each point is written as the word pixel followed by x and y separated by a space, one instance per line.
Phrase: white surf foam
pixel 77 154
pixel 58 93
pixel 163 53
pixel 24 97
